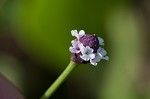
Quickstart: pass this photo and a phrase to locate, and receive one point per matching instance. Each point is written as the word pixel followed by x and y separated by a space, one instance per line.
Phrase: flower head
pixel 86 48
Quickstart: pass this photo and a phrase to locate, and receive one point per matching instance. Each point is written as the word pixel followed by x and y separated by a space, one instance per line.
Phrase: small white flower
pixel 87 53
pixel 96 59
pixel 76 34
pixel 76 45
pixel 101 41
pixel 101 54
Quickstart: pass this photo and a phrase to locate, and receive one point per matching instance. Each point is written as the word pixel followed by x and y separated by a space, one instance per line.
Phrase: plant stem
pixel 59 80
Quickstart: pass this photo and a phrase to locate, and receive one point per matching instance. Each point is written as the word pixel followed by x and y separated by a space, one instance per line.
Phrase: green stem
pixel 59 80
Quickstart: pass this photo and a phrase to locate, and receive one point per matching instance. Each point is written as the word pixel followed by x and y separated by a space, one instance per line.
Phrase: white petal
pixel 81 32
pixel 81 47
pixel 93 62
pixel 75 44
pixel 89 50
pixel 72 41
pixel 74 33
pixel 83 50
pixel 106 58
pixel 85 57
pixel 103 52
pixel 92 56
pixel 72 49
pixel 99 49
pixel 101 41
pixel 97 57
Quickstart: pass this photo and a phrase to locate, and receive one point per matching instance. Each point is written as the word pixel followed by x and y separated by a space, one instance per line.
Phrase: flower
pixel 76 34
pixel 96 59
pixel 86 48
pixel 87 53
pixel 76 46
pixel 101 54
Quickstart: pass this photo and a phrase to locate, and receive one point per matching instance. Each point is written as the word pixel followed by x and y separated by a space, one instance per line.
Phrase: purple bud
pixel 76 58
pixel 91 41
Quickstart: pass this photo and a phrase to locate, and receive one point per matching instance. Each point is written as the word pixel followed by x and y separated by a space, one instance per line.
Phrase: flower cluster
pixel 86 48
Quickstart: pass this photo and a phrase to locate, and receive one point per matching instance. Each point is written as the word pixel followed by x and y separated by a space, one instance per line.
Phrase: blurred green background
pixel 35 37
